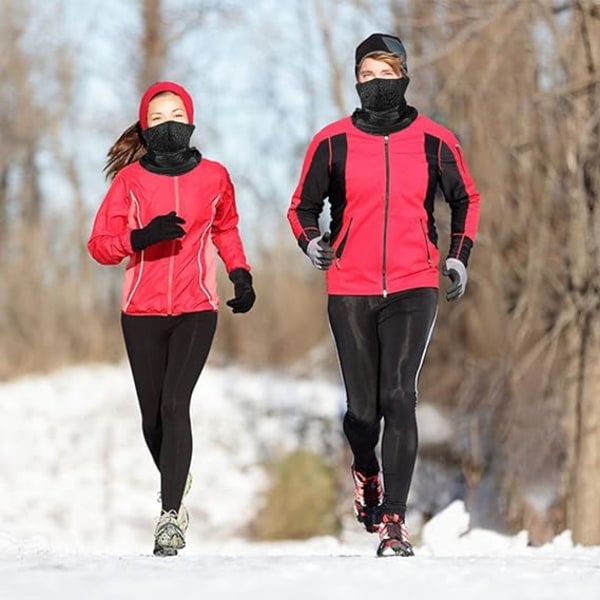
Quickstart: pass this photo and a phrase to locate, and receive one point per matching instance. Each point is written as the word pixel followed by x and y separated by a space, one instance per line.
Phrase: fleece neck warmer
pixel 169 151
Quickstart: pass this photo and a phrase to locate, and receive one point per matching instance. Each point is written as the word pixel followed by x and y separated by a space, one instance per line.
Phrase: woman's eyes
pixel 161 118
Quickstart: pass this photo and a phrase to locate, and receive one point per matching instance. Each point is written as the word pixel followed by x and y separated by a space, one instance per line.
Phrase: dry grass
pixel 301 501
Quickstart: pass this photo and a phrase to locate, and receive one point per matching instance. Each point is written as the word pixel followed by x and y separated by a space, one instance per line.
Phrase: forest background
pixel 516 362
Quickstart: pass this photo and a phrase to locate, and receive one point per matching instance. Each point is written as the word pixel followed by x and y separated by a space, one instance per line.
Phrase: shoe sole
pixel 394 548
pixel 161 551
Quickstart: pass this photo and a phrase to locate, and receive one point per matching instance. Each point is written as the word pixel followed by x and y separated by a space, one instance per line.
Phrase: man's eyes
pixel 382 74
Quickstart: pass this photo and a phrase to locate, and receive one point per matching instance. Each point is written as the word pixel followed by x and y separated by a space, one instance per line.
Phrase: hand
pixel 161 228
pixel 244 292
pixel 457 272
pixel 320 252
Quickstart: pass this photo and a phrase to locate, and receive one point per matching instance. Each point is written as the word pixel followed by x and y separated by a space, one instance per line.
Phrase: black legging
pixel 381 344
pixel 167 355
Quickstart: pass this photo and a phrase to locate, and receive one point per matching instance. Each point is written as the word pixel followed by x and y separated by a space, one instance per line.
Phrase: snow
pixel 78 503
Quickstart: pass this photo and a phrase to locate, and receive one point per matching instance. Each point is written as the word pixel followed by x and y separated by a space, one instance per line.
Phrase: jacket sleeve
pixel 461 194
pixel 225 230
pixel 312 189
pixel 109 242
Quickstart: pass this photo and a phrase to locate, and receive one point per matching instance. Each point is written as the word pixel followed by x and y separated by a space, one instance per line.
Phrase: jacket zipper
pixel 172 257
pixel 385 214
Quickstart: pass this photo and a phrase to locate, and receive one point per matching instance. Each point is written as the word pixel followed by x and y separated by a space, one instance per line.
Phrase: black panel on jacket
pixel 314 190
pixel 432 145
pixel 454 189
pixel 337 185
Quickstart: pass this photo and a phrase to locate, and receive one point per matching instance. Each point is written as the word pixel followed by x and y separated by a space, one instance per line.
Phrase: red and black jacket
pixel 177 276
pixel 381 192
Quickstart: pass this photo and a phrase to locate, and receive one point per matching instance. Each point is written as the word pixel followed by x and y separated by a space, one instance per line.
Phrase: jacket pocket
pixel 339 249
pixel 426 242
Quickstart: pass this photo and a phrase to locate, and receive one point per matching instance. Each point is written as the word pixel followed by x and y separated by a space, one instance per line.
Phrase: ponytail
pixel 128 148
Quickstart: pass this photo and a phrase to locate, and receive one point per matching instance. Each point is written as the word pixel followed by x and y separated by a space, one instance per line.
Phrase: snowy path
pixel 300 572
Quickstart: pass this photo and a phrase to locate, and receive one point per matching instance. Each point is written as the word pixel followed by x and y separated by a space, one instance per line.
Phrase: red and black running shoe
pixel 393 535
pixel 368 496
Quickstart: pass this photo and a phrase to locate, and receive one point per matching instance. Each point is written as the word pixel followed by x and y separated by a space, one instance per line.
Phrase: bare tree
pixel 153 43
pixel 583 283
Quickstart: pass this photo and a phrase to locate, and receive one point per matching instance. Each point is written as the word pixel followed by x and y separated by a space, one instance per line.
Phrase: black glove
pixel 320 252
pixel 244 292
pixel 161 228
pixel 457 272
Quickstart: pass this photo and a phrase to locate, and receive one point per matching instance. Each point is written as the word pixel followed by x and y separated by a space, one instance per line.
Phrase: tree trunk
pixel 584 482
pixel 153 45
pixel 583 425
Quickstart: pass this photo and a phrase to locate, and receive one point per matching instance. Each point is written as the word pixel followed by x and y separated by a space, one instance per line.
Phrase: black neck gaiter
pixel 169 151
pixel 384 108
pixel 382 94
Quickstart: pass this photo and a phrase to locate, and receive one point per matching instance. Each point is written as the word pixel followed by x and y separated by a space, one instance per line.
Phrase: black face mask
pixel 382 94
pixel 168 137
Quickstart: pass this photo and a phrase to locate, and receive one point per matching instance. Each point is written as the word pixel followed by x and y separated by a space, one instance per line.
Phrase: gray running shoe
pixel 168 537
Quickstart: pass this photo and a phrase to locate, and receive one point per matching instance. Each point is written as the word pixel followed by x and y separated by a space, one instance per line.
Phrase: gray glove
pixel 457 272
pixel 320 252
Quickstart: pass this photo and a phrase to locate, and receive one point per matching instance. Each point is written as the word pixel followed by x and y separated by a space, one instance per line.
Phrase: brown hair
pixel 129 147
pixel 397 64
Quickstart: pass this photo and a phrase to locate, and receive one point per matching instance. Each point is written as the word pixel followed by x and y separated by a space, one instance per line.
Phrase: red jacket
pixel 381 192
pixel 178 276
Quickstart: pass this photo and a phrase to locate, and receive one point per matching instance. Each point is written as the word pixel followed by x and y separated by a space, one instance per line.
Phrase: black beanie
pixel 380 42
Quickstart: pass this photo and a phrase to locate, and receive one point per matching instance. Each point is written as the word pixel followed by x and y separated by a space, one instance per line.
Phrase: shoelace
pixel 167 518
pixel 393 527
